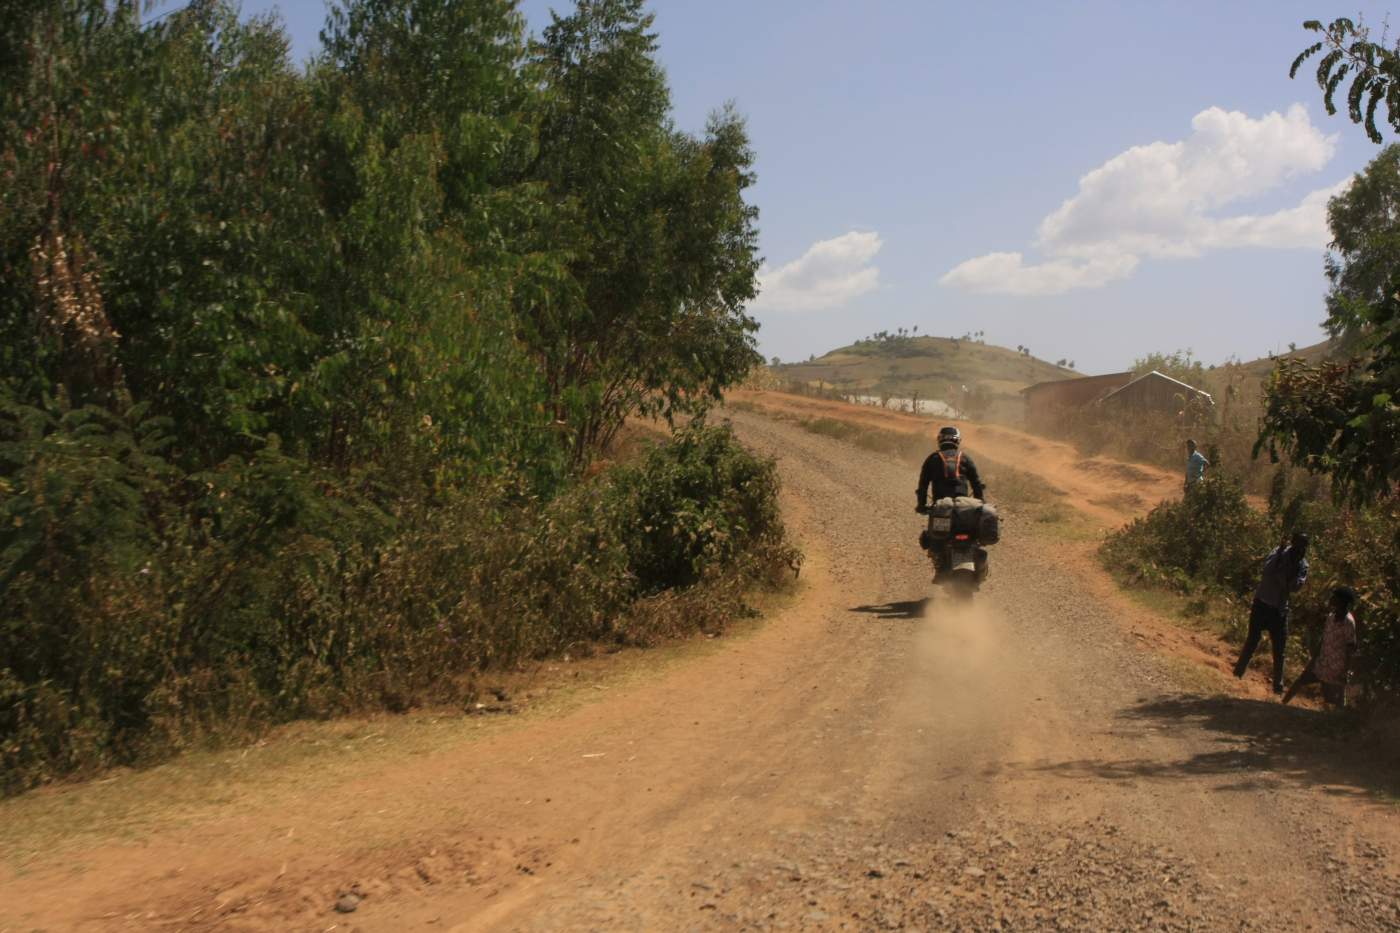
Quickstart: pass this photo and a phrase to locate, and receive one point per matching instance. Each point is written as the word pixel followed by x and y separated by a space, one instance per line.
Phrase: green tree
pixel 1341 418
pixel 298 366
pixel 1180 365
pixel 663 246
pixel 429 132
pixel 1365 248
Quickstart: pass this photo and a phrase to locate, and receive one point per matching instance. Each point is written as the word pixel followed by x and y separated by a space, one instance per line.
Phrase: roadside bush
pixel 1211 536
pixel 1360 548
pixel 694 504
pixel 1212 544
pixel 280 591
pixel 302 369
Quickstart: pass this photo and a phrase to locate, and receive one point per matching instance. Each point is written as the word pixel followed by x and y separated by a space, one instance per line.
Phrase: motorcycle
pixel 956 539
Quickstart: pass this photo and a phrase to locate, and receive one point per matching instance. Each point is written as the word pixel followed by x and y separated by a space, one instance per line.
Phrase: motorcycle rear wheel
pixel 962 586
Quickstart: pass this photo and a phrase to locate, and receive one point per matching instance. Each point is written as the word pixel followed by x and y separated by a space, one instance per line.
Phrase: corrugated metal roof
pixel 1188 388
pixel 1074 380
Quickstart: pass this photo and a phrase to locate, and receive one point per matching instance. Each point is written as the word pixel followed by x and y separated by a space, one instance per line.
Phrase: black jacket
pixel 939 471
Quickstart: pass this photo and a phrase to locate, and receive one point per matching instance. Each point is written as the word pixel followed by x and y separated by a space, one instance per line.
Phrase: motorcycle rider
pixel 949 470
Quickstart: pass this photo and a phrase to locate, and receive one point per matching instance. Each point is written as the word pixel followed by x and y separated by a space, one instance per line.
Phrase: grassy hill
pixel 1248 378
pixel 1313 354
pixel 934 368
pixel 926 367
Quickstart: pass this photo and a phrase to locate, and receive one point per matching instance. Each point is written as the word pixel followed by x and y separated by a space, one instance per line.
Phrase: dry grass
pixel 295 761
pixel 1226 434
pixel 1019 494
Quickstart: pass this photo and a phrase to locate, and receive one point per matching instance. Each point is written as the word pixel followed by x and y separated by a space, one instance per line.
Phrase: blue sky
pixel 1162 178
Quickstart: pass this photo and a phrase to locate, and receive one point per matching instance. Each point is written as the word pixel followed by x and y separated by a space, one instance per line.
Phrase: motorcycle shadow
pixel 910 610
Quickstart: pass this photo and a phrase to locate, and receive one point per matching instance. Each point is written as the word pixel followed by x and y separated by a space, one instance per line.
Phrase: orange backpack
pixel 952 469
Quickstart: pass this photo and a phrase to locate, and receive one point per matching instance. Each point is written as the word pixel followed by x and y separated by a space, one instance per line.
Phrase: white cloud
pixel 1007 274
pixel 829 274
pixel 1304 226
pixel 1164 200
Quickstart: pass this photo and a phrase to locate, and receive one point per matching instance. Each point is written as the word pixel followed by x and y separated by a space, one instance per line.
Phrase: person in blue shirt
pixel 1196 464
pixel 1285 571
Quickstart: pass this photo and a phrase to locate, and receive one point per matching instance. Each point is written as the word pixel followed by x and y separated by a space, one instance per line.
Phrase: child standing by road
pixel 1329 666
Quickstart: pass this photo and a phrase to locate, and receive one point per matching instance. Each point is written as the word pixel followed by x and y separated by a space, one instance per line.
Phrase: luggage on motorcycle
pixel 967 514
pixel 940 519
pixel 964 515
pixel 989 526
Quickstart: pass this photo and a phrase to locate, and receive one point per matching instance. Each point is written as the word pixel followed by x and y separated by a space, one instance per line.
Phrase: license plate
pixel 940 523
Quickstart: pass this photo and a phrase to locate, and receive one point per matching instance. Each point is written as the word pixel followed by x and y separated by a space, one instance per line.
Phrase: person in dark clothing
pixel 949 471
pixel 1285 570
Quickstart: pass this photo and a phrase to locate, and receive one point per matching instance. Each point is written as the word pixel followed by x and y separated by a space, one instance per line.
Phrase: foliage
pixel 663 247
pixel 438 220
pixel 1210 536
pixel 1362 550
pixel 277 594
pixel 300 369
pixel 1341 418
pixel 1347 51
pixel 1213 543
pixel 1338 419
pixel 699 502
pixel 1365 248
pixel 1181 365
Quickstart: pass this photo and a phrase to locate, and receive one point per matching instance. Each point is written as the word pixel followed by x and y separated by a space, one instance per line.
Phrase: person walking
pixel 1285 571
pixel 1333 659
pixel 1196 464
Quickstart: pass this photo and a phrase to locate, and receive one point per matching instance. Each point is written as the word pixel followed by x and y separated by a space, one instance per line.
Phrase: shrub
pixel 277 591
pixel 696 504
pixel 1211 536
pixel 1213 542
pixel 1361 548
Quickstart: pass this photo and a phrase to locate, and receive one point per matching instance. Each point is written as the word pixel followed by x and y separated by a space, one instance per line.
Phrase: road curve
pixel 872 757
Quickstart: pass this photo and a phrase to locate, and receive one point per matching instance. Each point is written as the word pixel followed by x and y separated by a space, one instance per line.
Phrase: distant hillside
pixel 934 368
pixel 926 367
pixel 1313 354
pixel 1249 377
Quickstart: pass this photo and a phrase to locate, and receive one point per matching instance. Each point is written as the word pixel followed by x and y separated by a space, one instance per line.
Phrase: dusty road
pixel 869 758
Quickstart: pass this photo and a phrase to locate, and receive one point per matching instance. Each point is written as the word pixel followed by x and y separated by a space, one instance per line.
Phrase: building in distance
pixel 1150 392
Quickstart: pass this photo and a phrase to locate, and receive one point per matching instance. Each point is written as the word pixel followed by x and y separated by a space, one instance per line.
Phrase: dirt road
pixel 870 757
pixel 1108 491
